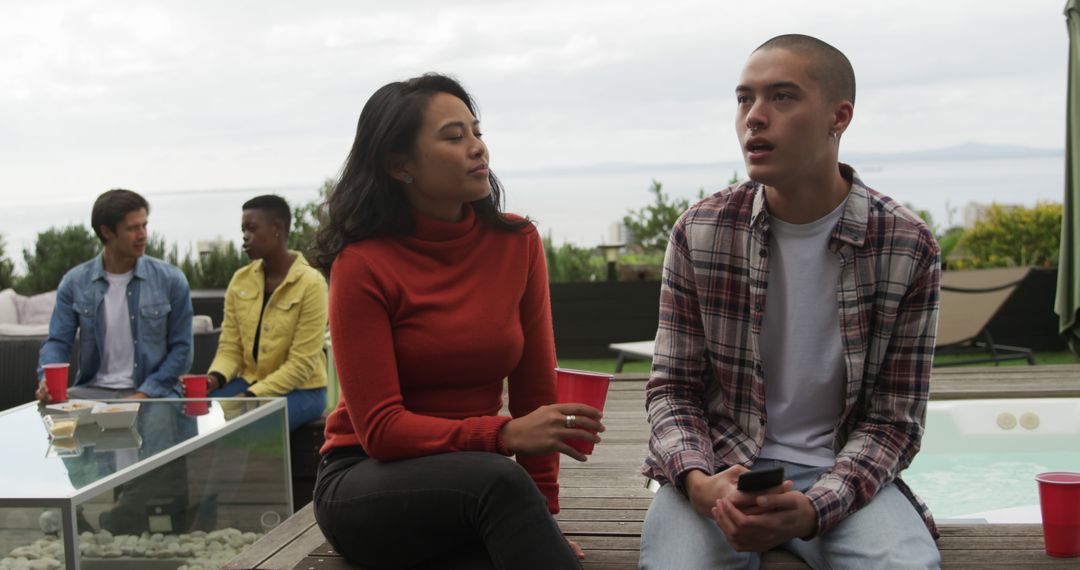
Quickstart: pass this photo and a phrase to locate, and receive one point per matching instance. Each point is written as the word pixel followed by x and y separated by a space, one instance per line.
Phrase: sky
pixel 170 96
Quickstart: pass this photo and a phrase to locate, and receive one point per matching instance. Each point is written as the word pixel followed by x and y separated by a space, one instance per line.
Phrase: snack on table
pixel 77 409
pixel 65 444
pixel 111 415
pixel 60 428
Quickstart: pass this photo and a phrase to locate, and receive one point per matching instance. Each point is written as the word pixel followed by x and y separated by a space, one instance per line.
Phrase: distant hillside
pixel 966 151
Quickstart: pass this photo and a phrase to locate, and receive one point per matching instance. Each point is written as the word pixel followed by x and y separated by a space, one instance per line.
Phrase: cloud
pixel 164 95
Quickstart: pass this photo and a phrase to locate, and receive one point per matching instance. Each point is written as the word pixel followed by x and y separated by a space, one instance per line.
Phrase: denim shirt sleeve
pixel 62 327
pixel 163 382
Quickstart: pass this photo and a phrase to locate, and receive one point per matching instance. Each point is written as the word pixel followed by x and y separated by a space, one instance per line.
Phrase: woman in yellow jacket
pixel 275 320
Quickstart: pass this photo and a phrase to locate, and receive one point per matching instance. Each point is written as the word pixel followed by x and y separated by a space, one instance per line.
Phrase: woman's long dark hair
pixel 367 202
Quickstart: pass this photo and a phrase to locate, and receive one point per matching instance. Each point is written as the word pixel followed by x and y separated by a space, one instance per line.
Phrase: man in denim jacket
pixel 132 312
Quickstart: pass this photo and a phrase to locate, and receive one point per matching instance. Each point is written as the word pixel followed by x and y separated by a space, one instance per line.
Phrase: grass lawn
pixel 603 364
pixel 608 364
pixel 1062 357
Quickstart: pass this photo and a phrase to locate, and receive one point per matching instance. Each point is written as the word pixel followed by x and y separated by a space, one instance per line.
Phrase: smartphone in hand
pixel 753 481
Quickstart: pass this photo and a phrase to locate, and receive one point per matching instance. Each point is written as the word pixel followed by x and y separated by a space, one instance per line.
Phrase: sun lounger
pixel 641 350
pixel 969 301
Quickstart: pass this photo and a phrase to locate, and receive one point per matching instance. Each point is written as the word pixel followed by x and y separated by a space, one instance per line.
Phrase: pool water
pixel 979 457
pixel 973 485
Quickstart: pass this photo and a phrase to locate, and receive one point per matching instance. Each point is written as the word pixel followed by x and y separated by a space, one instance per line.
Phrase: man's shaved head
pixel 829 67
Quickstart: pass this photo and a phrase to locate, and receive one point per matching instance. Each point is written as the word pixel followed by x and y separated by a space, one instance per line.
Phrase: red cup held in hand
pixel 56 381
pixel 580 387
pixel 195 387
pixel 1059 496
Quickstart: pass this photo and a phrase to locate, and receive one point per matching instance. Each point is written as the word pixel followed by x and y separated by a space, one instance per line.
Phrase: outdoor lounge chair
pixel 641 350
pixel 969 301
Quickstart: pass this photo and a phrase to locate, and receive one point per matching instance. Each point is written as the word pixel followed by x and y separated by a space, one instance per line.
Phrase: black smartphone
pixel 761 480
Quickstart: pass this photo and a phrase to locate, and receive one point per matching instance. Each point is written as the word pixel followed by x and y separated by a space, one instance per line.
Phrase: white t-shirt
pixel 801 349
pixel 118 361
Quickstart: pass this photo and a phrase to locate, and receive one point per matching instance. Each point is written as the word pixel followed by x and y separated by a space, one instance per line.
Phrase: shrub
pixel 948 243
pixel 215 269
pixel 569 263
pixel 650 226
pixel 1011 236
pixel 947 239
pixel 208 270
pixel 306 220
pixel 56 251
pixel 7 268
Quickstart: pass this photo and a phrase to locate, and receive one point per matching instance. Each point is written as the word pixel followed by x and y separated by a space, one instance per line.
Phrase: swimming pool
pixel 979 457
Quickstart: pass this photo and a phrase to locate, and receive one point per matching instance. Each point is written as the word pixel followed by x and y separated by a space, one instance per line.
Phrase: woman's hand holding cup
pixel 544 430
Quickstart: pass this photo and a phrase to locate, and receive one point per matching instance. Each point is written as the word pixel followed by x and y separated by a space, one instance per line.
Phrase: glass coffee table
pixel 189 485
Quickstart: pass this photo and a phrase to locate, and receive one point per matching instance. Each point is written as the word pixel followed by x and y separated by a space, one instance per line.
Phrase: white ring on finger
pixel 571 421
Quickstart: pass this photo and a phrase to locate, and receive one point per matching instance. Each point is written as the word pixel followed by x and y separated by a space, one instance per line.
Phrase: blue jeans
pixel 302 406
pixel 887 533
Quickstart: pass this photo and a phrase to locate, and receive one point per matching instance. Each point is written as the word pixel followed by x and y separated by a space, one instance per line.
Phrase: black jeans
pixel 452 510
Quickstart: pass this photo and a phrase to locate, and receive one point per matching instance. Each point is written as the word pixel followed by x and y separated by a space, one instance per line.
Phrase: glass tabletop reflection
pixel 40 466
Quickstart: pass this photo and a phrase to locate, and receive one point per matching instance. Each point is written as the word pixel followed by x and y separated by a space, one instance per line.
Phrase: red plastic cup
pixel 56 381
pixel 1059 496
pixel 195 387
pixel 580 387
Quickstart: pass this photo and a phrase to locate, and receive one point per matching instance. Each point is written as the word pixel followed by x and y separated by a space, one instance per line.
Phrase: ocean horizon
pixel 581 206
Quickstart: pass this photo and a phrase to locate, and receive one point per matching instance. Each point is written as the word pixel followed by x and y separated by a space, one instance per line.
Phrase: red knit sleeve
pixel 367 372
pixel 532 383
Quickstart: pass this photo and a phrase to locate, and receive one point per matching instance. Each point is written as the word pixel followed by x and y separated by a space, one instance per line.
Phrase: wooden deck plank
pixel 332 563
pixel 600 555
pixel 990 530
pixel 601 527
pixel 641 503
pixel 604 500
pixel 1046 381
pixel 297 549
pixel 278 538
pixel 1002 559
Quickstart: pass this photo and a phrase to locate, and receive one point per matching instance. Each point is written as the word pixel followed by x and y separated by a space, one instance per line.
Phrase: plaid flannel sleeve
pixel 884 442
pixel 675 394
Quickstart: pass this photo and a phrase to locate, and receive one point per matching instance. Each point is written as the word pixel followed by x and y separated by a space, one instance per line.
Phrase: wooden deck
pixel 604 500
pixel 1050 381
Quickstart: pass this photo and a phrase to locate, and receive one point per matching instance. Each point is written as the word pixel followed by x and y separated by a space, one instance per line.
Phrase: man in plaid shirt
pixel 797 319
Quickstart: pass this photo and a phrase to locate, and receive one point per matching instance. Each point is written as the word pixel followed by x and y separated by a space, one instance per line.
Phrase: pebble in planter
pixel 192 551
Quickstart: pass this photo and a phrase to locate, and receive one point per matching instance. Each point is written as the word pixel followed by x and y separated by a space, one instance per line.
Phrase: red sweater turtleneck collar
pixel 430 229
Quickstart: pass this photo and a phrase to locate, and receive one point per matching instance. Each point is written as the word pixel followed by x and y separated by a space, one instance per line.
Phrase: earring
pixel 407 179
pixel 277 234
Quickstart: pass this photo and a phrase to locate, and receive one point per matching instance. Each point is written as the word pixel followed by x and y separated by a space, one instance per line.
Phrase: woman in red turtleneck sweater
pixel 436 297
